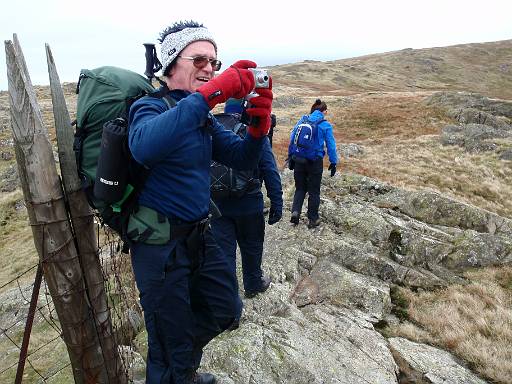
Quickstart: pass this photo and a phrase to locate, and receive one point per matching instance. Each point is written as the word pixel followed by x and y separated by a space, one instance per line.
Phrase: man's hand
pixel 274 215
pixel 260 112
pixel 236 81
pixel 332 168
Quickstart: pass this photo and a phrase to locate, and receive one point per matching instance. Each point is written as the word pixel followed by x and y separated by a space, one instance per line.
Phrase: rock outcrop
pixel 483 121
pixel 422 363
pixel 318 323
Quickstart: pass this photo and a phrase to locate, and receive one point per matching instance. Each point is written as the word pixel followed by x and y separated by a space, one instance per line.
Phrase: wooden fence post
pixel 50 224
pixel 82 220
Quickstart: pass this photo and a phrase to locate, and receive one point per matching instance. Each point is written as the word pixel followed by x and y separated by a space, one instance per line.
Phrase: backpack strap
pixel 169 101
pixel 238 127
pixel 163 93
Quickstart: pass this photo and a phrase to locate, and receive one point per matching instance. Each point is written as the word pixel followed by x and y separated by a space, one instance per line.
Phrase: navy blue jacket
pixel 176 146
pixel 253 202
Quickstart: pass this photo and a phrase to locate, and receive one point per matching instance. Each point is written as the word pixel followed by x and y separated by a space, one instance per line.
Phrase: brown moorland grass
pixel 400 137
pixel 17 252
pixel 480 179
pixel 473 321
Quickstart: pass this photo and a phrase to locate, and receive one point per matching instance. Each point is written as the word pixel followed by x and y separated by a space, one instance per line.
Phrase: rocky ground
pixel 331 295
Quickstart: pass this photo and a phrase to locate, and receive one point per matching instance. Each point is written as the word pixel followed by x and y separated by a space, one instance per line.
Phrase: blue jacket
pixel 253 202
pixel 325 135
pixel 178 149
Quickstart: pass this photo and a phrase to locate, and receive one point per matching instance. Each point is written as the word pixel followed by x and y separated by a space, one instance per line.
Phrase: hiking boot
pixel 202 378
pixel 295 218
pixel 265 283
pixel 313 223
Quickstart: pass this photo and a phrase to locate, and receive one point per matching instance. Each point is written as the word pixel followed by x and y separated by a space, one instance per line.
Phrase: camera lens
pixel 262 79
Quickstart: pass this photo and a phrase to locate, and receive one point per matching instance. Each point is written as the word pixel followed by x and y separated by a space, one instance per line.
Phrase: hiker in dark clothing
pixel 187 288
pixel 242 219
pixel 305 157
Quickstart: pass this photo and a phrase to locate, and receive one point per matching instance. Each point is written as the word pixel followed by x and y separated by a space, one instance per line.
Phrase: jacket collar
pixel 178 94
pixel 316 116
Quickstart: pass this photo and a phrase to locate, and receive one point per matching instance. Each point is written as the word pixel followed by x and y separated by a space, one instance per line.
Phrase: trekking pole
pixel 152 63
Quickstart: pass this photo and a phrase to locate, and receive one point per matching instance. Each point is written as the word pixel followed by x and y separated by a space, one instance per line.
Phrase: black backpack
pixel 228 182
pixel 111 178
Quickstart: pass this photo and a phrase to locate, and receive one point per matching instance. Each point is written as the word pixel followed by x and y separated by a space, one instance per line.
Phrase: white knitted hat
pixel 175 42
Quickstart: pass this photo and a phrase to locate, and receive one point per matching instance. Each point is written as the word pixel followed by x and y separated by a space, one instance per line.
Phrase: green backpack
pixel 105 95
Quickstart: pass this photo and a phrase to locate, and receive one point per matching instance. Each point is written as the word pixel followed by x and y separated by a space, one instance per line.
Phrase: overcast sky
pixel 89 34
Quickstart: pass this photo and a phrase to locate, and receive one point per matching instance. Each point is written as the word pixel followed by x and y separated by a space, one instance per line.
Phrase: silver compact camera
pixel 261 78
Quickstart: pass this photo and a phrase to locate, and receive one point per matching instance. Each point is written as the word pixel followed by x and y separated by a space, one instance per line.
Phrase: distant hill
pixel 484 68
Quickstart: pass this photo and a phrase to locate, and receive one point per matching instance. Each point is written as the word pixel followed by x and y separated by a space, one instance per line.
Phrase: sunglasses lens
pixel 200 61
pixel 216 64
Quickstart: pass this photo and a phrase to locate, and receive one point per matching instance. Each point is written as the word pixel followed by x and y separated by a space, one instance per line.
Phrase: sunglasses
pixel 202 61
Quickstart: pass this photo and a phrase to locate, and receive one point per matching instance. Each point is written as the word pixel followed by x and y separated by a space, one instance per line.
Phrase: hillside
pixel 409 277
pixel 484 68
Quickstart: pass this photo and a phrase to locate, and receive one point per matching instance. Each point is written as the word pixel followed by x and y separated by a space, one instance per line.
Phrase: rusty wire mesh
pixel 47 360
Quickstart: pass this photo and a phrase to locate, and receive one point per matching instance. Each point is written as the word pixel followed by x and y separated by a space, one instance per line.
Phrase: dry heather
pixel 478 179
pixel 473 321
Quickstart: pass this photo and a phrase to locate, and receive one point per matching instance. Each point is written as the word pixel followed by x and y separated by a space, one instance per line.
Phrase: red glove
pixel 260 112
pixel 236 81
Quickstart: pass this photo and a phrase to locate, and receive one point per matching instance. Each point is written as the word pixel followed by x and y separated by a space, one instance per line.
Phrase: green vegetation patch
pixel 400 302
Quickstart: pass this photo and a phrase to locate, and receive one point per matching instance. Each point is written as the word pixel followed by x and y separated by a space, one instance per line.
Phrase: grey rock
pixel 5 121
pixel 506 155
pixel 474 137
pixel 134 364
pixel 9 179
pixel 351 150
pixel 436 209
pixel 475 116
pixel 322 344
pixel 14 307
pixel 287 101
pixel 463 100
pixel 422 363
pixel 9 142
pixel 330 282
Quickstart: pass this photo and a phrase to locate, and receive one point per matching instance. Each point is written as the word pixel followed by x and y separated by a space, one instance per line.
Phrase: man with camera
pixel 187 289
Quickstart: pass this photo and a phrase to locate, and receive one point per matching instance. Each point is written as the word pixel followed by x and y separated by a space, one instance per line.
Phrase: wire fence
pixel 47 359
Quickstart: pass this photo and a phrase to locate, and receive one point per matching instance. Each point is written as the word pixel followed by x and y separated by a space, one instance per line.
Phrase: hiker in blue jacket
pixel 307 162
pixel 242 219
pixel 187 288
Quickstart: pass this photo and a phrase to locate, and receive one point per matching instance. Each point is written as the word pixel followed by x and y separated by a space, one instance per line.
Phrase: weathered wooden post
pixel 51 229
pixel 82 221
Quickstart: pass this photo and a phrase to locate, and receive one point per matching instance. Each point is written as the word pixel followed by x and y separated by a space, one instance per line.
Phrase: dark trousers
pixel 249 232
pixel 308 177
pixel 184 307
